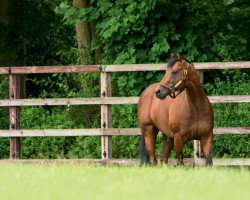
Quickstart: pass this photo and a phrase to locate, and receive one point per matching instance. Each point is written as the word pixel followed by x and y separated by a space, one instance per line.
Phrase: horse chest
pixel 191 124
pixel 183 118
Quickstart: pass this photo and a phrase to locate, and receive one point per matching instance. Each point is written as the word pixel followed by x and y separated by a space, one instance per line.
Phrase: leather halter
pixel 174 89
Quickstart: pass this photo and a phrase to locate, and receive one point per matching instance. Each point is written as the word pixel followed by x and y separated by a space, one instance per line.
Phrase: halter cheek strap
pixel 173 91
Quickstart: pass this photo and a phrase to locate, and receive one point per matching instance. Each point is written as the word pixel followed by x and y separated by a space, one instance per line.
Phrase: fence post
pixel 14 112
pixel 197 145
pixel 106 115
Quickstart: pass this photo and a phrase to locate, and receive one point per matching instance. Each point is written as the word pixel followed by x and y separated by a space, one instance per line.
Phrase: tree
pixel 86 34
pixel 12 55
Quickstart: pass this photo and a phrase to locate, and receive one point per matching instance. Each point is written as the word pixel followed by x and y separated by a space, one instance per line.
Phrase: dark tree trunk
pixel 7 59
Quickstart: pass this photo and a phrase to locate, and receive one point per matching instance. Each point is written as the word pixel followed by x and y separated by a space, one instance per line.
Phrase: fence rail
pixel 100 132
pixel 106 132
pixel 129 162
pixel 116 68
pixel 104 101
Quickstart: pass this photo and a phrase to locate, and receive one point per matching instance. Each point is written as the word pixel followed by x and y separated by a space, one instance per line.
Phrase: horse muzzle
pixel 162 93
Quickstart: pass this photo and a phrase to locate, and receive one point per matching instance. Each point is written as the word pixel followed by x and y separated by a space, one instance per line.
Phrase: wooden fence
pixel 106 132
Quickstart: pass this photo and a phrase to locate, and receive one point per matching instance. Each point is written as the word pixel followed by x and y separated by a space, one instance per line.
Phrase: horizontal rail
pixel 129 162
pixel 50 132
pixel 99 132
pixel 117 68
pixel 70 101
pixel 224 161
pixel 104 101
pixel 231 130
pixel 229 99
pixel 162 67
pixel 50 69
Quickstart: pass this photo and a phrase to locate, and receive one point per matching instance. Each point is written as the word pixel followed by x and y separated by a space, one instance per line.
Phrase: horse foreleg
pixel 168 145
pixel 206 143
pixel 178 146
pixel 150 133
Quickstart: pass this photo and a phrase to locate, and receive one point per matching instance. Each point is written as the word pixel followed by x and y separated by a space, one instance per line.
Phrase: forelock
pixel 172 61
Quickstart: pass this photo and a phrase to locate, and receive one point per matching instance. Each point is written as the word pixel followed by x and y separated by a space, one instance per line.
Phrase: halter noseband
pixel 173 90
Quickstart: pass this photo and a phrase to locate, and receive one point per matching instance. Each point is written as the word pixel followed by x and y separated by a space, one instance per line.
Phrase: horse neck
pixel 195 90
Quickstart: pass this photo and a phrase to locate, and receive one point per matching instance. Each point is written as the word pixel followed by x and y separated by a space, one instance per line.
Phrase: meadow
pixel 71 181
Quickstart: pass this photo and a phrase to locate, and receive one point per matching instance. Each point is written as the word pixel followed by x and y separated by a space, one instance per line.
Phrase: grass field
pixel 71 181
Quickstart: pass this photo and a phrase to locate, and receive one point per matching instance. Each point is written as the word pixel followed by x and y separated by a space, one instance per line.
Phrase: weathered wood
pixel 224 161
pixel 69 132
pixel 69 101
pixel 50 132
pixel 130 162
pixel 109 162
pixel 106 116
pixel 162 67
pixel 231 162
pixel 231 130
pixel 197 149
pixel 217 131
pixel 222 65
pixel 14 112
pixel 122 131
pixel 104 101
pixel 50 69
pixel 229 99
pixel 102 131
pixel 118 68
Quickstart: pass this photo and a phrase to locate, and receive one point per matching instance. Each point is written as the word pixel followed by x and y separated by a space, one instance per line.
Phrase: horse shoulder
pixel 145 103
pixel 160 114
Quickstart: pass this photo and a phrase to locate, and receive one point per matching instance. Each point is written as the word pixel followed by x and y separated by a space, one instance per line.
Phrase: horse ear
pixel 172 55
pixel 180 57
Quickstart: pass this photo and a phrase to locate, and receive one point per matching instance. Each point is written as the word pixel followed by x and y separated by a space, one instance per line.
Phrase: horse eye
pixel 173 74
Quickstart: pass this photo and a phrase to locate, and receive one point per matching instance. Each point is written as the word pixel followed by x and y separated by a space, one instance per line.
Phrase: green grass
pixel 88 182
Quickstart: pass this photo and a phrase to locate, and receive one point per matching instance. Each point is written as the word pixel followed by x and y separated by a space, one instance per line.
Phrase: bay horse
pixel 180 109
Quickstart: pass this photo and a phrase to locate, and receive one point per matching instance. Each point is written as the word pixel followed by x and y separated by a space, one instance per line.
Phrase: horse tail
pixel 143 152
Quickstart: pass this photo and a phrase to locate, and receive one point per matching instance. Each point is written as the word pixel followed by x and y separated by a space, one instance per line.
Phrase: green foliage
pixel 55 147
pixel 63 85
pixel 124 116
pixel 4 95
pixel 139 32
pixel 231 82
pixel 4 119
pixel 133 83
pixel 41 118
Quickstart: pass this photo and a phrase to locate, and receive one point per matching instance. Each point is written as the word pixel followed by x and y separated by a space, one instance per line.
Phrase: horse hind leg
pixel 147 146
pixel 168 145
pixel 143 152
pixel 206 143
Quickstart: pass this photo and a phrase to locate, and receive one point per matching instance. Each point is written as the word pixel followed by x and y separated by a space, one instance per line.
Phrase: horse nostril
pixel 157 92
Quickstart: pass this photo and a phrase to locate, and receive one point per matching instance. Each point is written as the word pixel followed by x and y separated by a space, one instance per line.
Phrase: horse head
pixel 174 81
